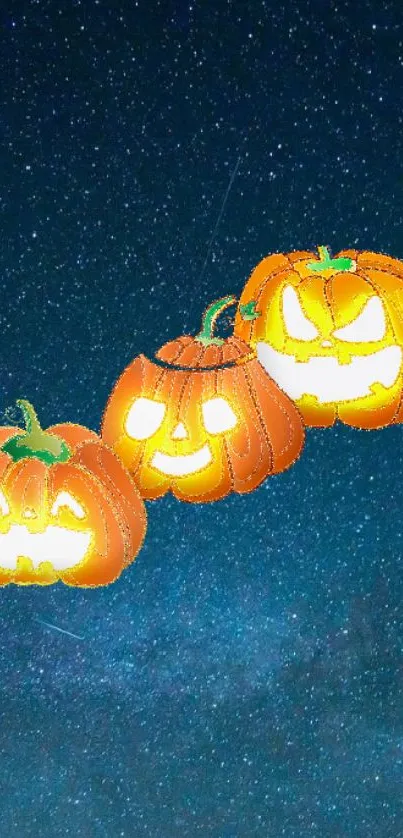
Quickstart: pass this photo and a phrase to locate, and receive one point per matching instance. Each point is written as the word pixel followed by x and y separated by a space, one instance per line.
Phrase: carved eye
pixel 4 507
pixel 66 499
pixel 144 418
pixel 297 323
pixel 218 416
pixel 369 325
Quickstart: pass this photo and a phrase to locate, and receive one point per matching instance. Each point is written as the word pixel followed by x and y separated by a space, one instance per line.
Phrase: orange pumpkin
pixel 203 419
pixel 329 330
pixel 69 511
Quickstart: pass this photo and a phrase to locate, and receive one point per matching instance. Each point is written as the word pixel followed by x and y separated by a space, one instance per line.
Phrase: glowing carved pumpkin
pixel 203 420
pixel 330 333
pixel 68 509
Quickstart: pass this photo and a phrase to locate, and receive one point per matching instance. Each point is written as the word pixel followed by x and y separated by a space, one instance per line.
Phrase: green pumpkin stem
pixel 343 263
pixel 35 442
pixel 210 317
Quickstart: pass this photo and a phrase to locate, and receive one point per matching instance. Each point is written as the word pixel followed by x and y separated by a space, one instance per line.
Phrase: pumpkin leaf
pixel 248 311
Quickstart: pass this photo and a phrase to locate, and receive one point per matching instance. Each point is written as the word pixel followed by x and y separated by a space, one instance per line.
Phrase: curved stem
pixel 31 420
pixel 35 442
pixel 210 317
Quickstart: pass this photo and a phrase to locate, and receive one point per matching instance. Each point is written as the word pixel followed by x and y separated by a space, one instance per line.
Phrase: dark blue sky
pixel 243 679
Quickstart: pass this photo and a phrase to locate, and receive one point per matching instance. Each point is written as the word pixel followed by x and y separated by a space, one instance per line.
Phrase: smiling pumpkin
pixel 330 333
pixel 203 419
pixel 68 509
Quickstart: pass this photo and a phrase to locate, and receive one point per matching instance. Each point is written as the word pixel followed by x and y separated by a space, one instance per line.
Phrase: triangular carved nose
pixel 180 432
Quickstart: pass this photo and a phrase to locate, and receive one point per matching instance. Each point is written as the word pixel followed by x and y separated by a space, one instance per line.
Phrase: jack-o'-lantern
pixel 330 333
pixel 69 511
pixel 203 419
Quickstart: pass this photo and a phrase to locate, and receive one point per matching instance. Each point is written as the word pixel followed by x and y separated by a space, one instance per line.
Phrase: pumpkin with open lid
pixel 203 419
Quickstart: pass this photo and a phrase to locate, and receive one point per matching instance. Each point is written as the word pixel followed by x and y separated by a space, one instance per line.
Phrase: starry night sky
pixel 244 677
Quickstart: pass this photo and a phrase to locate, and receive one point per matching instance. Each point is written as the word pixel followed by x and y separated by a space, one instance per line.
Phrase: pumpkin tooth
pixel 61 547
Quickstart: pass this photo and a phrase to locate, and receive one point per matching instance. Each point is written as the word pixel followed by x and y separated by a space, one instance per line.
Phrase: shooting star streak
pixel 56 628
pixel 220 215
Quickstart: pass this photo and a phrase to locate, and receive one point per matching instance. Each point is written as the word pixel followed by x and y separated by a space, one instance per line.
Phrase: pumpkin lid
pixel 205 351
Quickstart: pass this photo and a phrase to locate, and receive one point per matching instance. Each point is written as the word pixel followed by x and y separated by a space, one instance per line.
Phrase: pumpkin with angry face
pixel 330 333
pixel 203 419
pixel 69 511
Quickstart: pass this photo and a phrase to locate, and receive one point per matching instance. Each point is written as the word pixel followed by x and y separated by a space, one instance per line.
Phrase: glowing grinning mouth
pixel 56 545
pixel 183 464
pixel 328 380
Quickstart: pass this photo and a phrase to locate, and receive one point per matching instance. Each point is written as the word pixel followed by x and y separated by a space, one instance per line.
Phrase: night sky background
pixel 244 677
